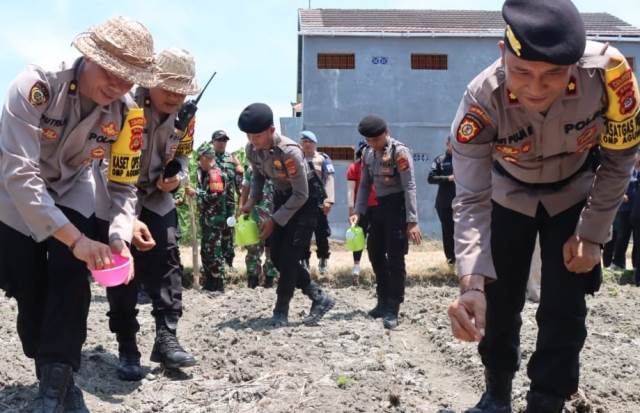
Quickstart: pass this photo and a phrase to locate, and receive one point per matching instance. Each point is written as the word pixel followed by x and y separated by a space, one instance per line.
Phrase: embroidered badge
pixel 38 94
pixel 292 169
pixel 97 153
pixel 586 140
pixel 49 134
pixel 109 130
pixel 468 129
pixel 403 163
pixel 507 150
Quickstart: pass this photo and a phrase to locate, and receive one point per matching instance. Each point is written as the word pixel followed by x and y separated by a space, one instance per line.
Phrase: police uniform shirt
pixel 159 146
pixel 284 164
pixel 47 151
pixel 491 126
pixel 390 171
pixel 323 168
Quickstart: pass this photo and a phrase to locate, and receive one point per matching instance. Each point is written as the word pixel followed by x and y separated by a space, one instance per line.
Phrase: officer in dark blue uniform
pixel 442 174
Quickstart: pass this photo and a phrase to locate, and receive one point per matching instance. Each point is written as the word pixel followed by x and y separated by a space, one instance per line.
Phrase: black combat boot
pixel 543 403
pixel 213 284
pixel 321 303
pixel 281 312
pixel 378 310
pixel 74 402
pixel 252 281
pixel 129 368
pixel 166 348
pixel 497 397
pixel 268 282
pixel 55 380
pixel 390 317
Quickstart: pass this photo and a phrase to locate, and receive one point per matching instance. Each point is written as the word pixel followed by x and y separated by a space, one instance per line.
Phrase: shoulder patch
pixel 292 169
pixel 622 130
pixel 469 128
pixel 38 94
pixel 403 163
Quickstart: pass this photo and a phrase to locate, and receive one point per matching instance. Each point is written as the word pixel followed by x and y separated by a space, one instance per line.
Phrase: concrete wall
pixel 418 104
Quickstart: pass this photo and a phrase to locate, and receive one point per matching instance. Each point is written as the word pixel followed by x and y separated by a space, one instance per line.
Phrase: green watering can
pixel 246 231
pixel 355 238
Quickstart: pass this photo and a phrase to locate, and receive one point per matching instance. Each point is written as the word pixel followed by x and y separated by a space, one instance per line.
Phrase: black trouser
pixel 289 243
pixel 387 245
pixel 158 270
pixel 445 214
pixel 363 222
pixel 554 366
pixel 51 287
pixel 322 232
pixel 623 235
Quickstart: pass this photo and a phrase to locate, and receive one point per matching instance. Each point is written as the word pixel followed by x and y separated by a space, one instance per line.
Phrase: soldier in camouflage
pixel 213 214
pixel 233 178
pixel 261 212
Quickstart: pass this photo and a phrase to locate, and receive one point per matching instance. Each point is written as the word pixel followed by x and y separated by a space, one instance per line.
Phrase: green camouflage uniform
pixel 213 215
pixel 227 164
pixel 261 212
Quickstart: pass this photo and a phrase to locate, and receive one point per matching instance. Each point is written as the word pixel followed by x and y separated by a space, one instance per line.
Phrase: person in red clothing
pixel 353 182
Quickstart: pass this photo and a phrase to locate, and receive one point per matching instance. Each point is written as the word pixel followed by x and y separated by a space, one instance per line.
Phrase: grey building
pixel 409 66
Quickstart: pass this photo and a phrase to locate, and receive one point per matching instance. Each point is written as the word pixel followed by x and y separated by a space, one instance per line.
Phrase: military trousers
pixel 289 243
pixel 322 232
pixel 554 366
pixel 160 273
pixel 51 288
pixel 387 244
pixel 445 214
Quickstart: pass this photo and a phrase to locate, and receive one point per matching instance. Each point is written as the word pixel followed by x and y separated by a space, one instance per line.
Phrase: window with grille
pixel 336 61
pixel 429 61
pixel 632 62
pixel 338 153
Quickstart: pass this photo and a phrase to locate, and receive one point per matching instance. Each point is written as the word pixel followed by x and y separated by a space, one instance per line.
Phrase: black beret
pixel 371 126
pixel 219 135
pixel 255 118
pixel 550 31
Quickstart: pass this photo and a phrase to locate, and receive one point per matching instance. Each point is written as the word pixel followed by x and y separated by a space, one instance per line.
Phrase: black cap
pixel 371 126
pixel 550 31
pixel 255 118
pixel 219 135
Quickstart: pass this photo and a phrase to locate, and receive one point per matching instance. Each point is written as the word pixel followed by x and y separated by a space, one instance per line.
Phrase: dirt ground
pixel 348 363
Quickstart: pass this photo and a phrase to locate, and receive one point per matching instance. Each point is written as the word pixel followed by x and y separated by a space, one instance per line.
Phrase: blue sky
pixel 251 44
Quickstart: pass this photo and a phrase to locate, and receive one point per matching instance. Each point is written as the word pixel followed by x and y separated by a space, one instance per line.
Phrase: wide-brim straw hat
pixel 122 46
pixel 176 72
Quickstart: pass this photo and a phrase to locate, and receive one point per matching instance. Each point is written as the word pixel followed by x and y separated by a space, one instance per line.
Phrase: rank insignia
pixel 49 134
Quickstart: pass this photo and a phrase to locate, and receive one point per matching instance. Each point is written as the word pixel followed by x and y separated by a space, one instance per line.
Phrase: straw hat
pixel 122 46
pixel 176 72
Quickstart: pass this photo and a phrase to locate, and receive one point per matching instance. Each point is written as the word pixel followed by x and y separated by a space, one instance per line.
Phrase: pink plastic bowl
pixel 115 275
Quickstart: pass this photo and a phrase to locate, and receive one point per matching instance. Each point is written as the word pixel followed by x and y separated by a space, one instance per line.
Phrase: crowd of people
pixel 542 150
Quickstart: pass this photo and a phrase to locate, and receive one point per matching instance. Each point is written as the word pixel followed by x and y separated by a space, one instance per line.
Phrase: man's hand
pixel 580 255
pixel 142 238
pixel 625 198
pixel 267 228
pixel 248 206
pixel 451 178
pixel 354 218
pixel 168 184
pixel 120 247
pixel 189 191
pixel 467 312
pixel 413 232
pixel 95 254
pixel 326 208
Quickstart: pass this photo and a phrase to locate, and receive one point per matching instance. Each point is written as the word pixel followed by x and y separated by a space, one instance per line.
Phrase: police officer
pixel 163 166
pixel 261 212
pixel 232 172
pixel 295 209
pixel 523 154
pixel 55 125
pixel 387 163
pixel 321 164
pixel 211 196
pixel 442 174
